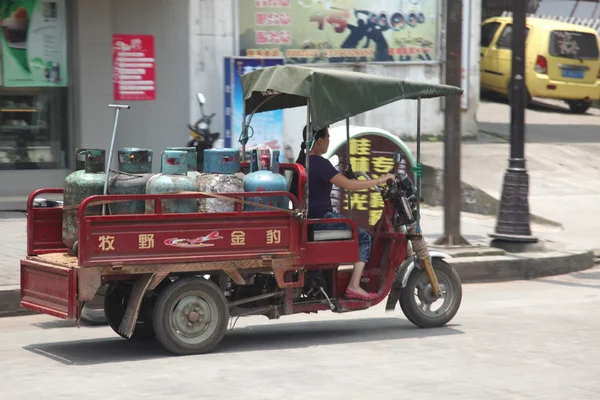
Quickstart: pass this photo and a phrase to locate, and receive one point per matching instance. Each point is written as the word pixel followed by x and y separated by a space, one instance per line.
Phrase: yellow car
pixel 561 60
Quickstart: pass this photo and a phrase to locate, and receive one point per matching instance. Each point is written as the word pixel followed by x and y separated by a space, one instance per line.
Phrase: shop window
pixel 32 129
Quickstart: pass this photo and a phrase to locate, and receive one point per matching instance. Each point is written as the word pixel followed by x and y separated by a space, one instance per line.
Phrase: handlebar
pixel 367 177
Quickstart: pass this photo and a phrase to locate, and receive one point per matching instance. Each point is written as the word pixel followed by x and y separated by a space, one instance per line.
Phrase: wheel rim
pixel 193 317
pixel 425 300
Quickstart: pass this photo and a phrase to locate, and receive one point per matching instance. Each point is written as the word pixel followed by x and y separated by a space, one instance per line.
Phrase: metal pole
pixel 512 224
pixel 117 108
pixel 418 177
pixel 306 163
pixel 348 161
pixel 452 127
pixel 243 127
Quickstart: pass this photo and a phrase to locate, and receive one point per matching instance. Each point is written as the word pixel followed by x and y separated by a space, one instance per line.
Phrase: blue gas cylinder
pixel 78 186
pixel 134 171
pixel 264 180
pixel 221 161
pixel 174 178
pixel 192 157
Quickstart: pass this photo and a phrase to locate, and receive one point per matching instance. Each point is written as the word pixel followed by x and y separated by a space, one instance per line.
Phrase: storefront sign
pixel 34 43
pixel 373 155
pixel 310 31
pixel 267 127
pixel 134 73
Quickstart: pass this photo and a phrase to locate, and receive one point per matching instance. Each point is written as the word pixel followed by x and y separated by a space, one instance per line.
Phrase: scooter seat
pixel 324 235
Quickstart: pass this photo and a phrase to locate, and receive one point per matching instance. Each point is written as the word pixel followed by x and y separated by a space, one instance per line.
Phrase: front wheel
pixel 191 316
pixel 417 300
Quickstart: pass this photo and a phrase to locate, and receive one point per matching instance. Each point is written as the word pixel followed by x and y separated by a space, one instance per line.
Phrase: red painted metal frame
pixel 181 224
pixel 49 289
pixel 52 289
pixel 44 226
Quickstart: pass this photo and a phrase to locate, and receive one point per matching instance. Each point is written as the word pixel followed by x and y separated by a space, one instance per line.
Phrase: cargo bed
pixel 156 245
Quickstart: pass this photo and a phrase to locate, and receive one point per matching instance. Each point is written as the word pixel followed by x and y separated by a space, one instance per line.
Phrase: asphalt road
pixel 516 340
pixel 547 121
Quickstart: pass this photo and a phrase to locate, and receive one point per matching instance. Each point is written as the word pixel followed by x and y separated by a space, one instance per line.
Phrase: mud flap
pixel 132 311
pixel 396 290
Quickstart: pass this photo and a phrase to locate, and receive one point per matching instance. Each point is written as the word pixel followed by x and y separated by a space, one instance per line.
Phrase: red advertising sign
pixel 134 73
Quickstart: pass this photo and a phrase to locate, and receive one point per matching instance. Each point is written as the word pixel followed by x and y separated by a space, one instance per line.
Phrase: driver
pixel 322 176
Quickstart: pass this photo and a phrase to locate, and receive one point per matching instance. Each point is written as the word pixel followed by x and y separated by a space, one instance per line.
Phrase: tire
pixel 92 312
pixel 419 288
pixel 115 304
pixel 179 305
pixel 579 107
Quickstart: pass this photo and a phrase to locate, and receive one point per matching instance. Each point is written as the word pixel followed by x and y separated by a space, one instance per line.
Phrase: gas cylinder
pixel 134 171
pixel 174 178
pixel 79 185
pixel 264 180
pixel 80 154
pixel 192 155
pixel 221 175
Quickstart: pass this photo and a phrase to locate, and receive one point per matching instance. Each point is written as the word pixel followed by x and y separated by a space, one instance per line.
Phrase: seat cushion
pixel 323 235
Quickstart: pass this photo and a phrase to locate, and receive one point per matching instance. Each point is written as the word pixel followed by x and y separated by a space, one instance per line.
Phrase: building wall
pixel 214 37
pixel 149 124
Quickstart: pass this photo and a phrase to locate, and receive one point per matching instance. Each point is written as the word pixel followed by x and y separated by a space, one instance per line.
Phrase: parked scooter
pixel 202 138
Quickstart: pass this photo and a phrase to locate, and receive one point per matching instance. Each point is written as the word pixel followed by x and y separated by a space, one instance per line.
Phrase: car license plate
pixel 572 73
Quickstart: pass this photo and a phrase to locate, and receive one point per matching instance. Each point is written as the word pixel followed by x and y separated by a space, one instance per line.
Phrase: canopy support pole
pixel 419 170
pixel 307 161
pixel 245 124
pixel 348 161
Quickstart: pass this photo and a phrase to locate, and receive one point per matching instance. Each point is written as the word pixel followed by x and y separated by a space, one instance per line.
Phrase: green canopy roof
pixel 334 94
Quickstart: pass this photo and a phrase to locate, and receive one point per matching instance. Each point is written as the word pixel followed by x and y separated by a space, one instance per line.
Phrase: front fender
pixel 401 279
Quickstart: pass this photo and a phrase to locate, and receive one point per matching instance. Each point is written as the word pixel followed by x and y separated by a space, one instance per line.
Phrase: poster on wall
pixel 34 43
pixel 134 72
pixel 266 128
pixel 339 31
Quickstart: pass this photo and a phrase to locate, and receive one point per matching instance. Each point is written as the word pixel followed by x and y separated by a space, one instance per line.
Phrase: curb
pixel 521 266
pixel 471 269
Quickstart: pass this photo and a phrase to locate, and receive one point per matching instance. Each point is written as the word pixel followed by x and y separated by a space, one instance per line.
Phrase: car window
pixel 571 44
pixel 487 33
pixel 505 39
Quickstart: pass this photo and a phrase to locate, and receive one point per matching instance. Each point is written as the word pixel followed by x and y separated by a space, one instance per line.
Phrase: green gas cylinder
pixel 78 186
pixel 134 171
pixel 174 178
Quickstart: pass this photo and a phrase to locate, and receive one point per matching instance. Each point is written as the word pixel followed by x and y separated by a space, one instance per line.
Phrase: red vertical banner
pixel 134 67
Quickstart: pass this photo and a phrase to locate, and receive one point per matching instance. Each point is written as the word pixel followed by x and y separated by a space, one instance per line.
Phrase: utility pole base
pixel 512 225
pixel 451 240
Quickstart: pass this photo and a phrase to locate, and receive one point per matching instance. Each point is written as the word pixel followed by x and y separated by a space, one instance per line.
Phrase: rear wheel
pixel 92 312
pixel 579 106
pixel 115 304
pixel 417 300
pixel 191 316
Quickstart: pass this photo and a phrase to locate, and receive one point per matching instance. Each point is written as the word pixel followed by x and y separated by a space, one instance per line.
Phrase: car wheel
pixel 579 106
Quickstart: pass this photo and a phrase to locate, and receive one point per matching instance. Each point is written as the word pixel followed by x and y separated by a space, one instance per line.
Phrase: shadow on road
pixel 252 338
